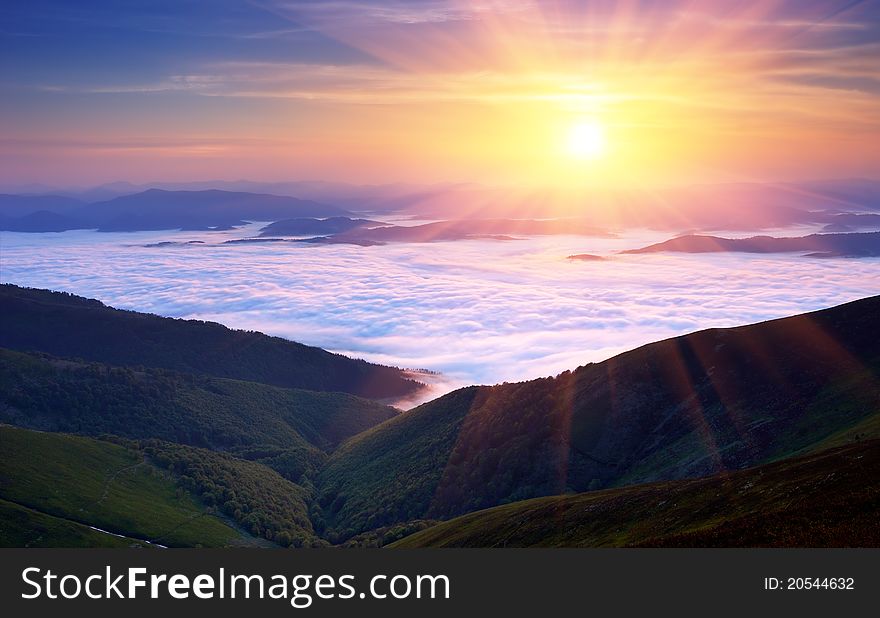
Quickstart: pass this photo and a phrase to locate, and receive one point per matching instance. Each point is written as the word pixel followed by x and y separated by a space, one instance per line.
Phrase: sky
pixel 495 91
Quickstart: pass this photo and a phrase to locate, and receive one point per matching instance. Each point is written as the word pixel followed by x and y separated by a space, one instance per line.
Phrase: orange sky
pixel 433 91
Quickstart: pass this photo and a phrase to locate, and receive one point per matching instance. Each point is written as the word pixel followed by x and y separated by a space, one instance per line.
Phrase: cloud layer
pixel 478 311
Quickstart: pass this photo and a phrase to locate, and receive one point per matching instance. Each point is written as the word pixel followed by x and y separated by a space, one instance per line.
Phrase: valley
pixel 224 455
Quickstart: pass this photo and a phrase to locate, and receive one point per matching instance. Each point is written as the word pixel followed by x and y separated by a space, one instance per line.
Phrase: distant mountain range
pixel 865 244
pixel 841 205
pixel 315 227
pixel 470 229
pixel 188 433
pixel 16 206
pixel 342 230
pixel 709 207
pixel 851 222
pixel 155 209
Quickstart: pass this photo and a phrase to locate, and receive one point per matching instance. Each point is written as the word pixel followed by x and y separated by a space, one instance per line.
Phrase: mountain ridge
pixel 156 209
pixel 848 244
pixel 288 430
pixel 688 406
pixel 828 499
pixel 67 325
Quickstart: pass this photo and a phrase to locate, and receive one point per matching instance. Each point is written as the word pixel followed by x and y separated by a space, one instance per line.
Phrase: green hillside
pixel 62 483
pixel 24 527
pixel 287 429
pixel 71 326
pixel 829 499
pixel 150 490
pixel 720 399
pixel 257 498
pixel 189 458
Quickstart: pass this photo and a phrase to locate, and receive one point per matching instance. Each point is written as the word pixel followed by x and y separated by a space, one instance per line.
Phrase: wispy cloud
pixel 156 145
pixel 393 11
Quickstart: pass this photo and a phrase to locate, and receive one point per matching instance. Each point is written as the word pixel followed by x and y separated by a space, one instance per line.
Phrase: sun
pixel 586 140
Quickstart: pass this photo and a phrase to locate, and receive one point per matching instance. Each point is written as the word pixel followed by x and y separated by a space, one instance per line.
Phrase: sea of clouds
pixel 478 311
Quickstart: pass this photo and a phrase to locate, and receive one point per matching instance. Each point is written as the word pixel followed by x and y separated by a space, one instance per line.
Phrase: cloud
pixel 478 311
pixel 194 147
pixel 400 12
pixel 437 91
pixel 744 64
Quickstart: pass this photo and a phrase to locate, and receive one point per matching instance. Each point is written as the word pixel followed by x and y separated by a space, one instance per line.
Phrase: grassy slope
pixel 100 484
pixel 285 428
pixel 387 474
pixel 691 406
pixel 831 498
pixel 71 326
pixel 24 527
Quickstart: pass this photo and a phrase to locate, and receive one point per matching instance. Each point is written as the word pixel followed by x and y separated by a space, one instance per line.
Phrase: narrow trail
pixel 155 540
pixel 114 476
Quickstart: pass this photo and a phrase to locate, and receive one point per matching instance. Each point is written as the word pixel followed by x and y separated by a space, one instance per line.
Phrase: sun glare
pixel 586 140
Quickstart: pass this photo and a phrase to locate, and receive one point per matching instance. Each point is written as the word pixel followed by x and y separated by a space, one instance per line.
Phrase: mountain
pixel 363 232
pixel 860 193
pixel 758 435
pixel 70 326
pixel 359 198
pixel 286 429
pixel 706 207
pixel 110 190
pixel 586 257
pixel 865 244
pixel 851 222
pixel 829 499
pixel 40 221
pixel 155 209
pixel 711 401
pixel 39 213
pixel 20 205
pixel 220 204
pixel 315 227
pixel 464 230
